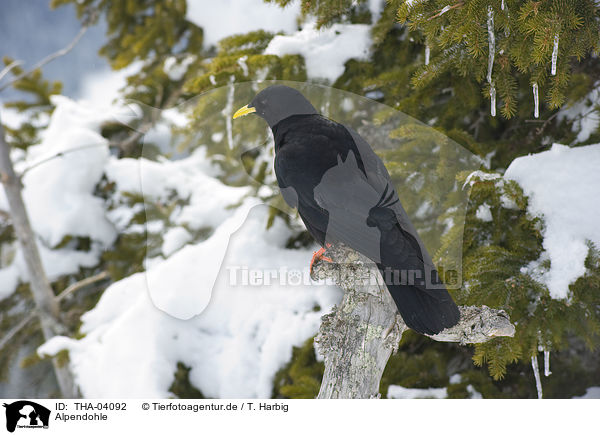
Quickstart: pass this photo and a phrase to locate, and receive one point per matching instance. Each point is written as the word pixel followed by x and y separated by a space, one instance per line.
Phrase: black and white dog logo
pixel 26 414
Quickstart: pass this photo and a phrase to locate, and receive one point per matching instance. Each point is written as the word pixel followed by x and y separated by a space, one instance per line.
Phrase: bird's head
pixel 277 103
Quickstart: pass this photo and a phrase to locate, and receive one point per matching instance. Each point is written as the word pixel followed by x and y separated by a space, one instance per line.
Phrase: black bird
pixel 343 193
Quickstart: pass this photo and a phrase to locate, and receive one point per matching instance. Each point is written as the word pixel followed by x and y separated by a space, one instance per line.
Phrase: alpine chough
pixel 343 193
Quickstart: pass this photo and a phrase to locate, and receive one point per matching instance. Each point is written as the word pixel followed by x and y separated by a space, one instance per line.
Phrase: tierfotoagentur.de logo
pixel 25 414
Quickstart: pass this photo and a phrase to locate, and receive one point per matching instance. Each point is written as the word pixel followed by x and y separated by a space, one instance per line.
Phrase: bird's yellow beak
pixel 244 111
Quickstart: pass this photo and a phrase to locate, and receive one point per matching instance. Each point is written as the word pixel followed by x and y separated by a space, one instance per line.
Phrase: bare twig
pixel 477 124
pixel 60 154
pixel 544 122
pixel 48 58
pixel 80 284
pixel 33 314
pixel 15 330
pixel 444 10
pixel 9 67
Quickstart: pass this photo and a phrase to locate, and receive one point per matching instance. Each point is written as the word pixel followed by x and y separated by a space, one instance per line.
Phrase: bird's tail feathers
pixel 422 312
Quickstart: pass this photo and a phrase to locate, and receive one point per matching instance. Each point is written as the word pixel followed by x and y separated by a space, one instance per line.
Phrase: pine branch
pixel 127 144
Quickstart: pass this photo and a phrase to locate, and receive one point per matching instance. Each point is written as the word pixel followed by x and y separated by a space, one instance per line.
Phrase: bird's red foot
pixel 318 255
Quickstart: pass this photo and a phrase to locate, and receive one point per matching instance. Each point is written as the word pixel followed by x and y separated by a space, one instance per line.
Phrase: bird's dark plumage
pixel 343 193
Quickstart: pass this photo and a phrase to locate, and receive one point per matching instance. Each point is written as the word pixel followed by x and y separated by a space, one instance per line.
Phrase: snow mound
pixel 563 186
pixel 591 393
pixel 484 213
pixel 234 348
pixel 59 193
pixel 325 51
pixel 60 175
pixel 243 16
pixel 398 392
pixel 182 285
pixel 174 239
pixel 586 119
pixel 208 201
pixel 55 345
pixel 9 280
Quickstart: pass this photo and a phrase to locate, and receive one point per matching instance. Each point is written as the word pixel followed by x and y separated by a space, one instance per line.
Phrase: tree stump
pixel 358 337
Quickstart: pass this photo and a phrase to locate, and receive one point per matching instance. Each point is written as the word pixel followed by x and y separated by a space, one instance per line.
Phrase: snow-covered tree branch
pixel 47 305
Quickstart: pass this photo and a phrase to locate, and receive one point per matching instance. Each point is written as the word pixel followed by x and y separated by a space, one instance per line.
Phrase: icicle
pixel 325 107
pixel 536 101
pixel 242 63
pixel 228 113
pixel 492 53
pixel 492 43
pixel 504 7
pixel 427 53
pixel 536 373
pixel 555 54
pixel 547 371
pixel 444 10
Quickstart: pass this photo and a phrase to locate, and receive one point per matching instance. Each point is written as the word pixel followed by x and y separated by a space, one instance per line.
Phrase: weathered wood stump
pixel 358 337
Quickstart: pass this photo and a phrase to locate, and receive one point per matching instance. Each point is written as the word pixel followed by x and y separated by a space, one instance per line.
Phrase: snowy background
pixel 245 334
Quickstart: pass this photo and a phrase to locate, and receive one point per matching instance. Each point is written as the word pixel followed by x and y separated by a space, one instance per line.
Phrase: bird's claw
pixel 317 256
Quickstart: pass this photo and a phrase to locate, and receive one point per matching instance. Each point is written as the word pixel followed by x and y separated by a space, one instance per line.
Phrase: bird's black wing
pixel 426 307
pixel 344 194
pixel 310 171
pixel 379 178
pixel 338 184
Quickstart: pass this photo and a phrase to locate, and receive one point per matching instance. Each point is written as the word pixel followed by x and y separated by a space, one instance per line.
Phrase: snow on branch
pixel 358 337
